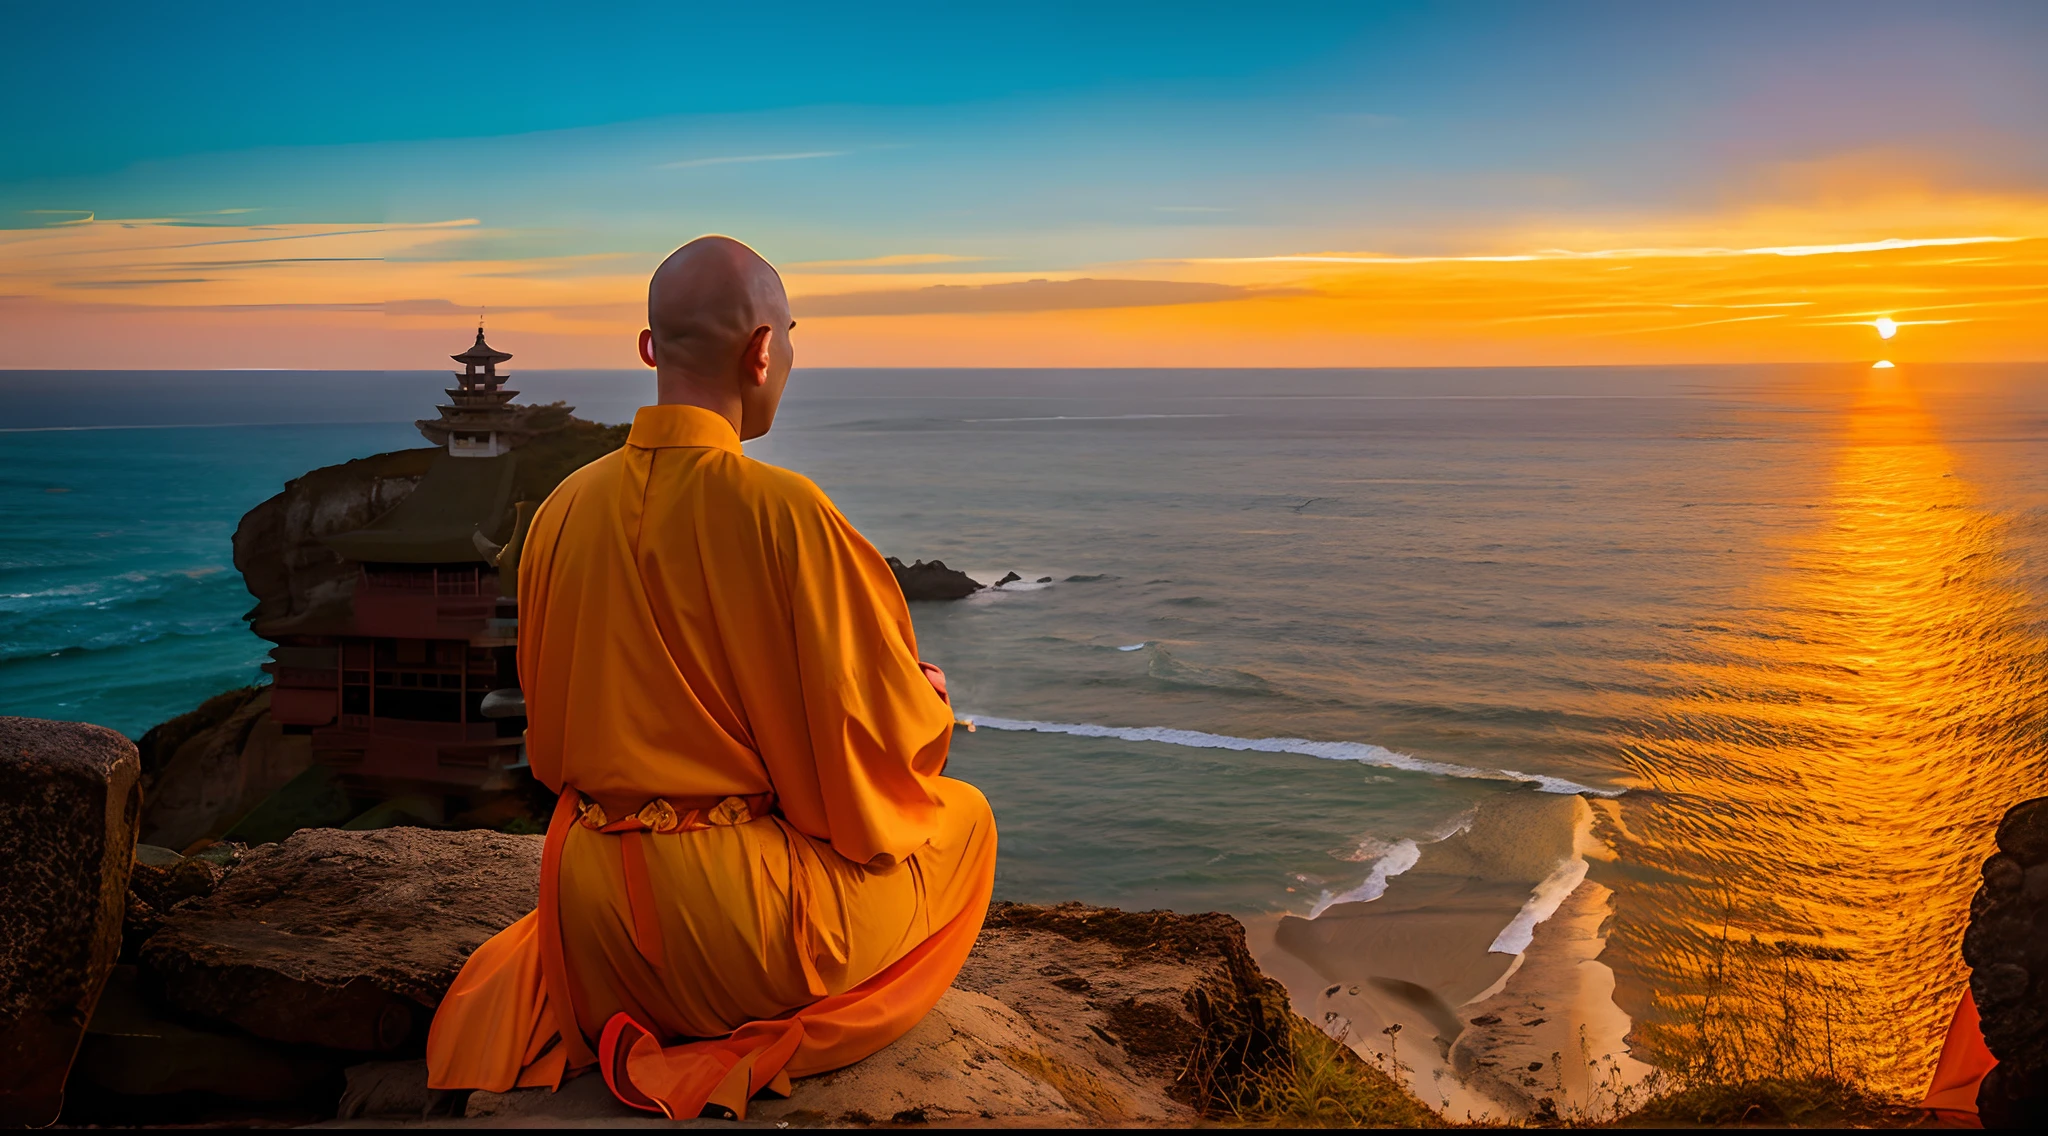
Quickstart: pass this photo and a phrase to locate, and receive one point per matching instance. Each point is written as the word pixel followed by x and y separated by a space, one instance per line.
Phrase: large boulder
pixel 341 939
pixel 69 802
pixel 2007 949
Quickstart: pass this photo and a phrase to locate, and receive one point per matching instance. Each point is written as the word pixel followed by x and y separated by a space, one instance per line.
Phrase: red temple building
pixel 391 687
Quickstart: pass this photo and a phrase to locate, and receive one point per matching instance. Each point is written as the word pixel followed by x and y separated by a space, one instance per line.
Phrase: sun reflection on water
pixel 1820 780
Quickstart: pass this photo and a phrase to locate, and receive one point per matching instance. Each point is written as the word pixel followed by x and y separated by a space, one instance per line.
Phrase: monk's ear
pixel 756 361
pixel 647 346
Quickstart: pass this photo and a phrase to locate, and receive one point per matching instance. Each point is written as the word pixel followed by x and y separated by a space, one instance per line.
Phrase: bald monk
pixel 755 870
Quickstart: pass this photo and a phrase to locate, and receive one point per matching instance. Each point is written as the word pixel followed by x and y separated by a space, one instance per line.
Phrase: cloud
pixel 692 163
pixel 1028 296
pixel 133 283
pixel 896 260
pixel 1886 245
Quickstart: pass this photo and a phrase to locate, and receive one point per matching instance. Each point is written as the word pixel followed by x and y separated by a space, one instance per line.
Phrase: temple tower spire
pixel 479 420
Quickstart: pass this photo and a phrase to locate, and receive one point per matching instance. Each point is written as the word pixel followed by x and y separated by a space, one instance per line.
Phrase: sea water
pixel 1274 628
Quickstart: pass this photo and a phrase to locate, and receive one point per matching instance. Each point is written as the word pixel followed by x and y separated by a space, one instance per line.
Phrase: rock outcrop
pixel 341 943
pixel 300 584
pixel 205 769
pixel 2007 949
pixel 69 801
pixel 932 580
pixel 1065 1017
pixel 340 939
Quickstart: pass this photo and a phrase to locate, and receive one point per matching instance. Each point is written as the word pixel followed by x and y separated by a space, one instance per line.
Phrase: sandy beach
pixel 1476 972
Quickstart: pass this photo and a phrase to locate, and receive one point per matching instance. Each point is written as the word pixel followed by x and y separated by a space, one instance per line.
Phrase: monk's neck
pixel 678 390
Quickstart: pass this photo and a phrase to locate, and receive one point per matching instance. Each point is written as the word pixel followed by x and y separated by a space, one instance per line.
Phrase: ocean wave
pixel 114 590
pixel 1393 859
pixel 119 610
pixel 1542 903
pixel 1363 753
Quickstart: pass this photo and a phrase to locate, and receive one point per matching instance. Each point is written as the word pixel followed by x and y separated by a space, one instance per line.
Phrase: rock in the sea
pixel 2007 949
pixel 1008 578
pixel 69 802
pixel 342 939
pixel 932 580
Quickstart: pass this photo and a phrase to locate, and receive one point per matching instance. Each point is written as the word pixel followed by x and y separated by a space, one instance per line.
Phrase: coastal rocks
pixel 1067 1017
pixel 341 939
pixel 69 801
pixel 932 580
pixel 2007 949
pixel 279 545
pixel 205 769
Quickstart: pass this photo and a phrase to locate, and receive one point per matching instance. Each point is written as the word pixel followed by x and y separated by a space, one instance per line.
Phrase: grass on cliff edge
pixel 1772 1102
pixel 1326 1085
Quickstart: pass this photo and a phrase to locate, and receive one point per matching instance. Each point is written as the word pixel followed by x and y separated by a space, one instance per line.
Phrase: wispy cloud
pixel 895 260
pixel 1029 296
pixel 1887 245
pixel 71 216
pixel 735 159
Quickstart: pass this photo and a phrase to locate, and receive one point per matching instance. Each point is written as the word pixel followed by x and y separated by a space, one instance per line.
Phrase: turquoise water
pixel 1443 584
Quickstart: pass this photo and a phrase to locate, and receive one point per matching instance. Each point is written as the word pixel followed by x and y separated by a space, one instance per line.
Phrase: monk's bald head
pixel 718 329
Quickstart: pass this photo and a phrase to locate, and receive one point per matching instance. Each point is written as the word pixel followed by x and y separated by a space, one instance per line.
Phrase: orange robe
pixel 1965 1060
pixel 755 870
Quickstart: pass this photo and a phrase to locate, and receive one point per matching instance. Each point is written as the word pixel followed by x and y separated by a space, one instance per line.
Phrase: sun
pixel 1886 326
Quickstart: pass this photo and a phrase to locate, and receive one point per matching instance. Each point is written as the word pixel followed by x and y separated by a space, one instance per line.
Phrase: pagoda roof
pixel 481 353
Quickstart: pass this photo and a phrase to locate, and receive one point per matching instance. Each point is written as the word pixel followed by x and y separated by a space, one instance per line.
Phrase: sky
pixel 1043 184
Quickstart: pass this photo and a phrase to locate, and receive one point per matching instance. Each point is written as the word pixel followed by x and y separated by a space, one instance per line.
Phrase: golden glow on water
pixel 1822 777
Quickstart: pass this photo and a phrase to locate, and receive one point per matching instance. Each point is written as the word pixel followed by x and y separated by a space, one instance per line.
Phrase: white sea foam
pixel 1362 752
pixel 1394 859
pixel 1541 905
pixel 1133 647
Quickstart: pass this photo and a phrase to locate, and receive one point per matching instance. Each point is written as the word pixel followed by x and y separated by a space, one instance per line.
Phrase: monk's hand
pixel 937 678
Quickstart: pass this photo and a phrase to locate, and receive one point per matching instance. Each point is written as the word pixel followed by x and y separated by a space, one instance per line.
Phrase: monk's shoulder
pixel 780 492
pixel 582 480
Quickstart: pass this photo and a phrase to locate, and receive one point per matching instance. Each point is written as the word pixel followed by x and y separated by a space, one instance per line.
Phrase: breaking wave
pixel 1362 752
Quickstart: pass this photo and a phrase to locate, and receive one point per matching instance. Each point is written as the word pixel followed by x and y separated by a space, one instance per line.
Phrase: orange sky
pixel 1965 276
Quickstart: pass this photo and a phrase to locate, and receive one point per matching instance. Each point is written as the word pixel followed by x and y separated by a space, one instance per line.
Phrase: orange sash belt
pixel 658 816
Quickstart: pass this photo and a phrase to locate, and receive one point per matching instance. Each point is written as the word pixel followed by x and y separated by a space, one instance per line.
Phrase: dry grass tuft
pixel 1321 1083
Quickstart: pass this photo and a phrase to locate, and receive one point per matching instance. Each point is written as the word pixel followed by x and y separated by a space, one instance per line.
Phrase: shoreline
pixel 1412 982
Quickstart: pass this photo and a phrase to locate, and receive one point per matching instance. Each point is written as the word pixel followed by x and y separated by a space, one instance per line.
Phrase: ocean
pixel 1277 630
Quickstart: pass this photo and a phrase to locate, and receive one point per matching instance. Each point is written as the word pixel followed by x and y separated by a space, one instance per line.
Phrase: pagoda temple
pixel 479 420
pixel 391 685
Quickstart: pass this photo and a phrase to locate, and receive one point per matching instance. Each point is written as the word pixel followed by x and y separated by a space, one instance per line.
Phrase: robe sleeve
pixel 878 730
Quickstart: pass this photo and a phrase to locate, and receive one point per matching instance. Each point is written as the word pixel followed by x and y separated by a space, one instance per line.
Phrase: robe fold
pixel 703 630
